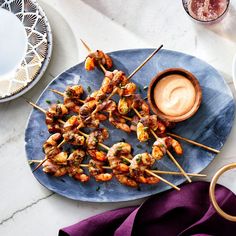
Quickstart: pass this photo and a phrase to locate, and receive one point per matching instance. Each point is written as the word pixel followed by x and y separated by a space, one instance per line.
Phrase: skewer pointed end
pixel 85 45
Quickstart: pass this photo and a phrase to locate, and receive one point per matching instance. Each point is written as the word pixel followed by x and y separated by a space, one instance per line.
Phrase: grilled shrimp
pixel 106 86
pixel 124 105
pixel 97 95
pixel 134 122
pixel 140 105
pixel 137 168
pixel 60 158
pixel 74 91
pixel 119 122
pixel 74 138
pixel 72 96
pixel 85 114
pixel 55 112
pixel 76 157
pixel 172 143
pixel 100 117
pixel 54 127
pixel 116 80
pixel 72 122
pixel 77 173
pixel 70 131
pixel 159 149
pixel 126 180
pixel 142 132
pixel 74 169
pixel 114 156
pixel 96 58
pixel 87 108
pixel 95 137
pixel 97 154
pixel 107 106
pixel 153 123
pixel 96 170
pixel 50 146
pixel 127 90
pixel 162 144
pixel 89 63
pixel 120 169
pixel 119 79
pixel 54 169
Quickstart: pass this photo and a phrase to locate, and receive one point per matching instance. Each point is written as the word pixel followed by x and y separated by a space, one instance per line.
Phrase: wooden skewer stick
pixel 144 62
pixel 194 143
pixel 90 50
pixel 154 171
pixel 39 165
pixel 61 143
pixel 36 106
pixel 168 152
pixel 62 94
pixel 86 46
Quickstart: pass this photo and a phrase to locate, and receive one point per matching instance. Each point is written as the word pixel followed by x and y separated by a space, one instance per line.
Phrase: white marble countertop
pixel 27 208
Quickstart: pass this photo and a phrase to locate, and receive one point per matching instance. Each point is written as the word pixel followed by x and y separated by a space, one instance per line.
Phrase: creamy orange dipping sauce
pixel 174 95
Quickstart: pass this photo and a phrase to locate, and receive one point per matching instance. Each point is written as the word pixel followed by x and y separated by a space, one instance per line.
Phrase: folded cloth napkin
pixel 185 212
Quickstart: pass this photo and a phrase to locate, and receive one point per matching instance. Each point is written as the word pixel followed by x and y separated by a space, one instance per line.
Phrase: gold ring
pixel 212 191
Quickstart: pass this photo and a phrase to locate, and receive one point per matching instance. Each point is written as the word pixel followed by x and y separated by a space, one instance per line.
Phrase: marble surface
pixel 26 207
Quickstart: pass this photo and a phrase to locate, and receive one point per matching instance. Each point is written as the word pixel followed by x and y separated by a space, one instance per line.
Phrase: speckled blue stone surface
pixel 211 124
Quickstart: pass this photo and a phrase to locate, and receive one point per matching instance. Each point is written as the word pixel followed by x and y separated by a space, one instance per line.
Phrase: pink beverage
pixel 207 10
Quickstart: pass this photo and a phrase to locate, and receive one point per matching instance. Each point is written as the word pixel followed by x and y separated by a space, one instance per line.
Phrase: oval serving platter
pixel 211 124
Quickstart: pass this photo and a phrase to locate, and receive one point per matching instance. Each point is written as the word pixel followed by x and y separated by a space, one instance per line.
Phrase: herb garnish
pixel 48 101
pixel 89 89
pixel 139 89
pixel 68 93
pixel 122 140
pixel 125 162
pixel 138 159
pixel 139 146
pixel 98 188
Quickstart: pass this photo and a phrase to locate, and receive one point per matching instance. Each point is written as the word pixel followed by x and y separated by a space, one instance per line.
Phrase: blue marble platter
pixel 210 125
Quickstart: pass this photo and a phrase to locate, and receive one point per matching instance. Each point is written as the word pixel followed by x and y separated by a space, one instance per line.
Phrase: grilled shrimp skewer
pixel 137 168
pixel 154 171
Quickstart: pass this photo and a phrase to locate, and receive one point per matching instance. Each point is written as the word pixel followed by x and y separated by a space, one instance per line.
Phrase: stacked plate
pixel 25 46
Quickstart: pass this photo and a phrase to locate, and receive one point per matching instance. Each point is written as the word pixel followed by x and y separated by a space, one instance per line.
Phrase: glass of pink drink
pixel 206 11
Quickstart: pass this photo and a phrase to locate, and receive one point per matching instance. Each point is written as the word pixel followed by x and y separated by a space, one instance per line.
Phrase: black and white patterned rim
pixel 39 46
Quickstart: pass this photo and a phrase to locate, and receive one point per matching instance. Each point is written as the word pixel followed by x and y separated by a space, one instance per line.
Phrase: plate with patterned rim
pixel 211 125
pixel 25 59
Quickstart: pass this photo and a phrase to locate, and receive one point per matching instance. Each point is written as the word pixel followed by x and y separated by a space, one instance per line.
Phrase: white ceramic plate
pixel 25 46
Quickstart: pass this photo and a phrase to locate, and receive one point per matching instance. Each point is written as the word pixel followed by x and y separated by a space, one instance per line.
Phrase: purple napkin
pixel 187 212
